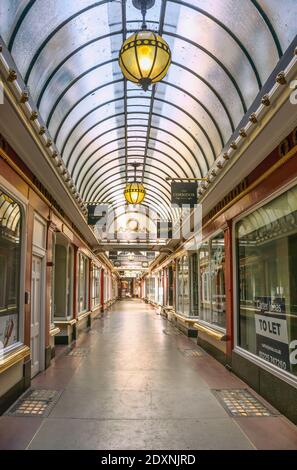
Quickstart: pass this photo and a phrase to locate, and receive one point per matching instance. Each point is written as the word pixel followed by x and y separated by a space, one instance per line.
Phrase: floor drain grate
pixel 241 403
pixel 191 352
pixel 78 352
pixel 35 403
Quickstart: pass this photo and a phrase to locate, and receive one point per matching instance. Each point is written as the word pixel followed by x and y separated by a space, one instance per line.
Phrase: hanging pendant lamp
pixel 134 191
pixel 145 56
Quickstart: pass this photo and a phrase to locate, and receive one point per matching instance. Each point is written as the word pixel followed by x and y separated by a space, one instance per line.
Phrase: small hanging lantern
pixel 134 191
pixel 145 56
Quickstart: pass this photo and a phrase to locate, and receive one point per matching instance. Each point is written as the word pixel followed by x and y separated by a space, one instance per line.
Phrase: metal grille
pixel 241 403
pixel 78 352
pixel 191 352
pixel 35 403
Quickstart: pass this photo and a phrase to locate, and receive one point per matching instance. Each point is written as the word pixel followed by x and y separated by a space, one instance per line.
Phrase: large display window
pixel 211 279
pixel 96 287
pixel 83 282
pixel 182 286
pixel 10 269
pixel 266 244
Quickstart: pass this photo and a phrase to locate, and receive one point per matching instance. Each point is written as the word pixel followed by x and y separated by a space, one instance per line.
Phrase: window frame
pixel 269 367
pixel 94 297
pixel 23 203
pixel 86 259
pixel 208 241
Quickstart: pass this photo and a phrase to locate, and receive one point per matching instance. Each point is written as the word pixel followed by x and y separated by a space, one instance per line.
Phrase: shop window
pixel 266 242
pixel 170 286
pixel 62 286
pixel 10 268
pixel 83 265
pixel 96 287
pixel 194 284
pixel 211 277
pixel 183 285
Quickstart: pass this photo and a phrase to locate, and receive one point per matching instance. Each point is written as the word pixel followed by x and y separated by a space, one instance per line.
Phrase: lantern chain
pixel 124 6
pixel 149 124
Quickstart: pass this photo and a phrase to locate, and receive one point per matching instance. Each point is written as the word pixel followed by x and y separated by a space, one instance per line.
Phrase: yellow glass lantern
pixel 134 191
pixel 145 56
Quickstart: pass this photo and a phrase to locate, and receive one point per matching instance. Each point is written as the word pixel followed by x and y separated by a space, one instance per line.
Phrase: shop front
pixel 265 245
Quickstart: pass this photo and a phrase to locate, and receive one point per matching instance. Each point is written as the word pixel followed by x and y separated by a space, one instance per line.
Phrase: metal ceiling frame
pixel 116 128
pixel 126 149
pixel 86 183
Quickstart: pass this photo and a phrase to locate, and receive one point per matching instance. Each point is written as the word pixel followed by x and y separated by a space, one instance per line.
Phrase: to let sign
pixel 184 193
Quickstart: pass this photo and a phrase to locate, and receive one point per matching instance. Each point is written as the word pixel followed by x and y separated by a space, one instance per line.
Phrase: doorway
pixel 36 316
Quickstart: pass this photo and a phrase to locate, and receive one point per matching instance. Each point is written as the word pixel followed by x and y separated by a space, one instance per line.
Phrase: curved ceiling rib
pixel 154 114
pixel 55 31
pixel 142 126
pixel 170 158
pixel 270 27
pixel 100 123
pixel 177 175
pixel 143 97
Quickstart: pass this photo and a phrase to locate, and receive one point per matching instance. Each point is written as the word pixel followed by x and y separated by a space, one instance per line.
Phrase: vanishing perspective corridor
pixel 135 382
pixel 148 230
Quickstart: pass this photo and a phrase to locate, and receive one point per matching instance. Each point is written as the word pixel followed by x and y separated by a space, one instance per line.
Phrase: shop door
pixel 36 309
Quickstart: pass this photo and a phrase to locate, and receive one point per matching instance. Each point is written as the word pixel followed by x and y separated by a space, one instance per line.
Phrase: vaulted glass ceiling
pixel 67 52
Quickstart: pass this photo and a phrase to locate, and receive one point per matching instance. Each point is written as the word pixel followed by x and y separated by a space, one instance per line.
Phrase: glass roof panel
pixel 10 13
pixel 283 18
pixel 78 65
pixel 85 114
pixel 100 129
pixel 222 53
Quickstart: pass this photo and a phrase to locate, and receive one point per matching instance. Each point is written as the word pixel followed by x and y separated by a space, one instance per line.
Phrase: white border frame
pixel 23 203
pixel 274 370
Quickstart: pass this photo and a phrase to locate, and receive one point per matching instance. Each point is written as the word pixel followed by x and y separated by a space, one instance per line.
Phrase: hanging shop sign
pixel 272 341
pixel 95 214
pixel 184 193
pixel 113 255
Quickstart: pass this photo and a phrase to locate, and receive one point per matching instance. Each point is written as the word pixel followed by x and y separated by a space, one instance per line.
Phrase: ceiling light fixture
pixel 134 191
pixel 145 56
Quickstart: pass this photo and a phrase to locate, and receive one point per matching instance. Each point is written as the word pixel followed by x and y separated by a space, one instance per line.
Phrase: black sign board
pixel 95 214
pixel 113 255
pixel 184 193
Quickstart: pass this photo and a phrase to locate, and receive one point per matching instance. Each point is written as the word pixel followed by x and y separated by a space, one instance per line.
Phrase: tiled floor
pixel 135 390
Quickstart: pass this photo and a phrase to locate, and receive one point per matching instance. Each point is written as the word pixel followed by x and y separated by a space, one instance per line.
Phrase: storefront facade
pixel 50 279
pixel 238 288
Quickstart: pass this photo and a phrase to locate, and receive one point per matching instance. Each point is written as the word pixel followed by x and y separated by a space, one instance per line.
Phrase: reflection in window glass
pixel 10 267
pixel 83 283
pixel 267 274
pixel 194 284
pixel 217 273
pixel 182 287
pixel 179 285
pixel 96 286
pixel 186 303
pixel 212 281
